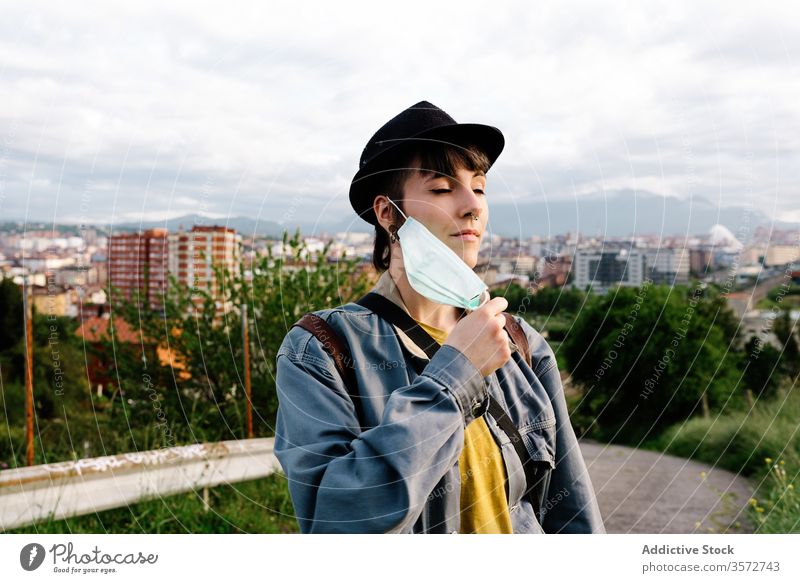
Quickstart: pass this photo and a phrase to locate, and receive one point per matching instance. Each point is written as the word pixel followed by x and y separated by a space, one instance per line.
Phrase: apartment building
pixel 137 266
pixel 194 254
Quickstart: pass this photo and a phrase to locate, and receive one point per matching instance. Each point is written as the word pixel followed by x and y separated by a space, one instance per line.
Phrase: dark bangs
pixel 444 159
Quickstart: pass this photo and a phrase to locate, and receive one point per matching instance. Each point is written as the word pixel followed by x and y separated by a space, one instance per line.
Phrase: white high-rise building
pixel 603 268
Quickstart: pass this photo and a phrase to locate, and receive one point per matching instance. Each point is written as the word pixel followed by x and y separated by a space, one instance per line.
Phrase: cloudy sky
pixel 152 110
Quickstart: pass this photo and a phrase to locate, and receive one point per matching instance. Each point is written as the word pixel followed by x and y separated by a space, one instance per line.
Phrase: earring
pixel 393 233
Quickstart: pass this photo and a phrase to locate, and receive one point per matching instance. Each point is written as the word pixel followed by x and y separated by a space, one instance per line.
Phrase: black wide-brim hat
pixel 422 122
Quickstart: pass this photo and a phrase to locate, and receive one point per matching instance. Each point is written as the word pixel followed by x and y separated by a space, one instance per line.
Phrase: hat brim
pixel 489 139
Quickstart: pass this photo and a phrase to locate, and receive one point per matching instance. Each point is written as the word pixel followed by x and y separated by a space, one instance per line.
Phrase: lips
pixel 466 232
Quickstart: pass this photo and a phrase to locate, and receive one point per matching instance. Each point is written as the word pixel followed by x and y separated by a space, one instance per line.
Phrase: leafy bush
pixel 740 440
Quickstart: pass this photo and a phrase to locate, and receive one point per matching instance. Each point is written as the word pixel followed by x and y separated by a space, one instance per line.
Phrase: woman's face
pixel 444 203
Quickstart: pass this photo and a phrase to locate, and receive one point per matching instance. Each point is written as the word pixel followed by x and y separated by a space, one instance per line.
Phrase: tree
pixel 762 373
pixel 545 301
pixel 552 300
pixel 714 307
pixel 514 294
pixel 58 375
pixel 11 314
pixel 785 330
pixel 648 357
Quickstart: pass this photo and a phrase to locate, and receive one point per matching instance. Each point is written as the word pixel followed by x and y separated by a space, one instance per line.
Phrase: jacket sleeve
pixel 571 505
pixel 344 480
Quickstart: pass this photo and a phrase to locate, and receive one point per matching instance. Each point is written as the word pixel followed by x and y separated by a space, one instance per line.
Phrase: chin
pixel 470 259
pixel 467 255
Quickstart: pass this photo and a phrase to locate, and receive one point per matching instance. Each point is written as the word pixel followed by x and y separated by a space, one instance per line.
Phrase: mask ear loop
pixel 393 236
pixel 398 208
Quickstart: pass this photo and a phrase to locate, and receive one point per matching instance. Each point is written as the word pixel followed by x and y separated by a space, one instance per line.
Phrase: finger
pixel 497 305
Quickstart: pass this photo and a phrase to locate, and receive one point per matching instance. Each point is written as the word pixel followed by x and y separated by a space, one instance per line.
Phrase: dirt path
pixel 648 492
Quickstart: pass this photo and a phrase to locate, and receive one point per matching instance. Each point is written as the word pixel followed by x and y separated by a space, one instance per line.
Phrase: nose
pixel 470 202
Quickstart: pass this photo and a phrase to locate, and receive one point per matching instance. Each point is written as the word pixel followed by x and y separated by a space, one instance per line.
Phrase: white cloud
pixel 150 102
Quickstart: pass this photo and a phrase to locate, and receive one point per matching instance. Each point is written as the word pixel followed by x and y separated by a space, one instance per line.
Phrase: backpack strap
pixel 535 471
pixel 518 337
pixel 391 312
pixel 338 350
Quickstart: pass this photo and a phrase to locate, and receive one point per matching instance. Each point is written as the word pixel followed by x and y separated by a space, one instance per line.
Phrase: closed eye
pixel 441 190
pixel 444 190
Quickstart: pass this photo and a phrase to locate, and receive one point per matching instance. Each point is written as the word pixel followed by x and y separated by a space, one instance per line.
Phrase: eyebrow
pixel 434 176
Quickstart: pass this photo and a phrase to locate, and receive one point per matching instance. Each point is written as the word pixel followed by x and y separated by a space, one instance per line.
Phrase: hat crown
pixel 418 118
pixel 422 122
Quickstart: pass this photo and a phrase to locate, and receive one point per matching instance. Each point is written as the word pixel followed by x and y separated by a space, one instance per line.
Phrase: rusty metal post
pixel 247 389
pixel 27 301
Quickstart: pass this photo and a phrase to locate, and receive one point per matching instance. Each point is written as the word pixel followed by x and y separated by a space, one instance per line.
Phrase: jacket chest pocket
pixel 539 437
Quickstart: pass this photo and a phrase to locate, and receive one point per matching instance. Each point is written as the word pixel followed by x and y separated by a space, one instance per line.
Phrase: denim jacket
pixel 400 474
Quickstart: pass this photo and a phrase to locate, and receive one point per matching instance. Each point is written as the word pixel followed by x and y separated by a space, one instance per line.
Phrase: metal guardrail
pixel 66 489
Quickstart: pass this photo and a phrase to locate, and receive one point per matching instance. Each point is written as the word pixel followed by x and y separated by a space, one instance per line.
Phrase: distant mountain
pixel 617 214
pixel 621 213
pixel 243 225
pixel 248 227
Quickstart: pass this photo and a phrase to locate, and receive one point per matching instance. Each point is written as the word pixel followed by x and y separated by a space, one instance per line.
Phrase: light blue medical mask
pixel 435 271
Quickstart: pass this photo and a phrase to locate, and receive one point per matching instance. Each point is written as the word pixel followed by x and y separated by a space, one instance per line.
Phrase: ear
pixel 384 211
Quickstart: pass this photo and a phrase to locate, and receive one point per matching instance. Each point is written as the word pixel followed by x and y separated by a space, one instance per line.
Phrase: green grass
pixel 778 510
pixel 257 506
pixel 763 443
pixel 789 298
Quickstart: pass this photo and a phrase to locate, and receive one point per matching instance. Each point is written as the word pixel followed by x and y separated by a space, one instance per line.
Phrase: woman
pixel 428 439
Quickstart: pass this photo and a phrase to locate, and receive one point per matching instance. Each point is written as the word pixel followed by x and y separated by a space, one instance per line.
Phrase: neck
pixel 421 308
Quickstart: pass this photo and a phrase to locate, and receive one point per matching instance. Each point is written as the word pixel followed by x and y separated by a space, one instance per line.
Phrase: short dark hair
pixel 435 157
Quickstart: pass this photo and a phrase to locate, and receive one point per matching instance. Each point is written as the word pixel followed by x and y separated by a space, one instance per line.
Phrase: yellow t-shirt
pixel 484 508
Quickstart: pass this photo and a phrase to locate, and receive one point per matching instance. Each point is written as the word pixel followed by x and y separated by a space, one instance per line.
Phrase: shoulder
pixel 543 359
pixel 300 341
